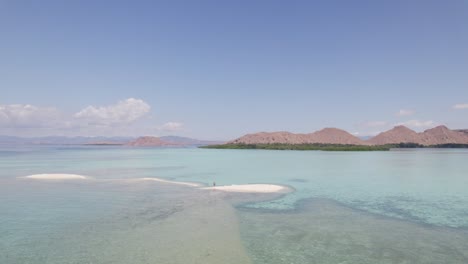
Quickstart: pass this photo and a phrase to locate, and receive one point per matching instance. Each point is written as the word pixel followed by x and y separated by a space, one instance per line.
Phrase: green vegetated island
pixel 333 139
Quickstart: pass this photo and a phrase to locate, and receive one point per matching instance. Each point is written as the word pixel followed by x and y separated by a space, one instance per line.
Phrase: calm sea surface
pixel 348 207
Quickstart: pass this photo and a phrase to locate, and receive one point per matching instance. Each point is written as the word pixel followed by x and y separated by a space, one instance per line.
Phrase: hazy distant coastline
pixel 146 141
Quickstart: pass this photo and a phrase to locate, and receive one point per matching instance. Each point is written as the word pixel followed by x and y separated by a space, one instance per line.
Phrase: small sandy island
pixel 56 177
pixel 240 188
pixel 251 188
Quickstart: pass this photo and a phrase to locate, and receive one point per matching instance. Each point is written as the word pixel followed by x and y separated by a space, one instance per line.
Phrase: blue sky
pixel 220 69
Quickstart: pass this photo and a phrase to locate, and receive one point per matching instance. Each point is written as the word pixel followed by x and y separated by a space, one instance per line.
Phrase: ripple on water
pixel 323 231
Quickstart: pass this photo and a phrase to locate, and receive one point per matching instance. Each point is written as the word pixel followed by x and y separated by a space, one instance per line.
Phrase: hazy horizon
pixel 363 137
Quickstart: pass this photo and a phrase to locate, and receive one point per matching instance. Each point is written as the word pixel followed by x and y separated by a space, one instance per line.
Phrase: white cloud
pixel 460 106
pixel 121 118
pixel 417 124
pixel 172 126
pixel 123 112
pixel 405 112
pixel 21 116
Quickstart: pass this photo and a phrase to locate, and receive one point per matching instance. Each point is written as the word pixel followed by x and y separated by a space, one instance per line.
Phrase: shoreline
pixel 191 184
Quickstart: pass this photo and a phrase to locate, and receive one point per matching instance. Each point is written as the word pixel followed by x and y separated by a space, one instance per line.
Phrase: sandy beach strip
pixel 56 177
pixel 251 188
pixel 191 184
pixel 240 188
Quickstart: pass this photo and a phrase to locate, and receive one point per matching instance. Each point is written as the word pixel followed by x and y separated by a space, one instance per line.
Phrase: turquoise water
pixel 113 220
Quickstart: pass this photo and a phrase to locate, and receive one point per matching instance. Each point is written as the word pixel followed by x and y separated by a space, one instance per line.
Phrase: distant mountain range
pixel 59 140
pixel 189 141
pixel 400 134
pixel 149 141
pixel 129 141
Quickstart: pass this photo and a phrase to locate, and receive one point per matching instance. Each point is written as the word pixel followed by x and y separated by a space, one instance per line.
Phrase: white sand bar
pixel 57 177
pixel 251 188
pixel 169 182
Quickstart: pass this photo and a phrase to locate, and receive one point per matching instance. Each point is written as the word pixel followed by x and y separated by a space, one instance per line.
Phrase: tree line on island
pixel 333 139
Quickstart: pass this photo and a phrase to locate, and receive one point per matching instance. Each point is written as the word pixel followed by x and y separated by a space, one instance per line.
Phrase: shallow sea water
pixel 323 231
pixel 347 207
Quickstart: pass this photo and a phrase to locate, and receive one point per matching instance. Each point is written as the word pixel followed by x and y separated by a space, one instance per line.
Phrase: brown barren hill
pixel 150 142
pixel 333 136
pixel 434 136
pixel 396 135
pixel 442 135
pixel 324 136
pixel 270 138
